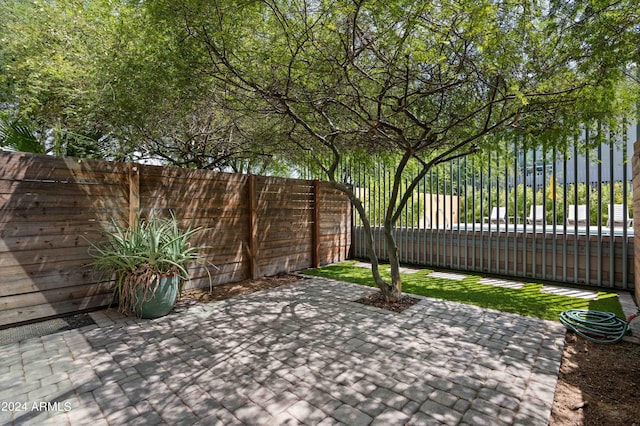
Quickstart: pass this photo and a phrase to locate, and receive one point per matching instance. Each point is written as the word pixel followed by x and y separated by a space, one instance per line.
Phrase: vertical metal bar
pixel 427 218
pixel 445 233
pixel 587 245
pixel 498 204
pixel 544 213
pixel 576 246
pixel 525 234
pixel 406 256
pixel 427 233
pixel 599 188
pixel 612 277
pixel 402 237
pixel 379 185
pixel 442 190
pixel 450 233
pixel 534 183
pixel 466 214
pixel 383 213
pixel 473 214
pixel 515 206
pixel 380 211
pixel 365 181
pixel 364 192
pixel 490 191
pixel 419 236
pixel 506 226
pixel 625 202
pixel 554 212
pixel 438 216
pixel 375 193
pixel 356 185
pixel 413 227
pixel 352 222
pixel 372 180
pixel 565 213
pixel 372 184
pixel 442 246
pixel 416 224
pixel 458 210
pixel 356 188
pixel 355 236
pixel 431 216
pixel 387 200
pixel 482 190
pixel 496 268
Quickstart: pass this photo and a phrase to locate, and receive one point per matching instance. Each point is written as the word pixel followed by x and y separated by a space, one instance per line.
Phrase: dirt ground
pixel 598 384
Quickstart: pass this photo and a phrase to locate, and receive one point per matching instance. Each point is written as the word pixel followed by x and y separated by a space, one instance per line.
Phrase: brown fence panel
pixel 335 225
pixel 217 202
pixel 284 226
pixel 49 207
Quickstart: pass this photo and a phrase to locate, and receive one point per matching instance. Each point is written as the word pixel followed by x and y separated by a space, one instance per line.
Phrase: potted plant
pixel 149 261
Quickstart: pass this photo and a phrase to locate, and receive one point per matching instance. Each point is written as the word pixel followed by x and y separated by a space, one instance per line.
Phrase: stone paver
pixel 304 353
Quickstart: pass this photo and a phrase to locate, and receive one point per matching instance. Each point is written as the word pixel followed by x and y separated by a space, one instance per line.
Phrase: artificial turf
pixel 525 301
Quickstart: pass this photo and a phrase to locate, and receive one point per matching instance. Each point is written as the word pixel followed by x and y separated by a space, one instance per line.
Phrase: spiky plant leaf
pixel 137 256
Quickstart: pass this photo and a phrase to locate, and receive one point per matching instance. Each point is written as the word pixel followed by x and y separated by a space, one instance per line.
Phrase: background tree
pixel 426 81
pixel 96 79
pixel 47 66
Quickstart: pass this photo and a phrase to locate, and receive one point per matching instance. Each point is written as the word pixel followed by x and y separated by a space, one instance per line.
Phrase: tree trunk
pixel 391 291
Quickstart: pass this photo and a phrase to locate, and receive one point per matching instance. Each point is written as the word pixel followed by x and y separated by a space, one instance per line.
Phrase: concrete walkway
pixel 304 353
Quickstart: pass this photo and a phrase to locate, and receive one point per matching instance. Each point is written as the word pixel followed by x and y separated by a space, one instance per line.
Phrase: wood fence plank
pixel 35 312
pixel 134 194
pixel 39 192
pixel 41 258
pixel 54 295
pixel 253 230
pixel 48 280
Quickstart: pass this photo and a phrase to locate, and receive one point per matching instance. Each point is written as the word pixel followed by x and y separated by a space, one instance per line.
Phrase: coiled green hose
pixel 601 327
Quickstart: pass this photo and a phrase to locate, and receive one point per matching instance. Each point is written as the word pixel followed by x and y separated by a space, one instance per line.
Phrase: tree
pixel 425 81
pixel 96 79
pixel 47 68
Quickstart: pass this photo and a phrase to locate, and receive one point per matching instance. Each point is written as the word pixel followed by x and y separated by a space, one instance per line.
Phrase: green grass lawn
pixel 526 301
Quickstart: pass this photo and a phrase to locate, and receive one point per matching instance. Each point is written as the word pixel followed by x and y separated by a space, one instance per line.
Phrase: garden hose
pixel 601 327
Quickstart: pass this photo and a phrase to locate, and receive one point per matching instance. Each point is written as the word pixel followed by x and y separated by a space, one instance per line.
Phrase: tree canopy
pixel 426 81
pixel 98 78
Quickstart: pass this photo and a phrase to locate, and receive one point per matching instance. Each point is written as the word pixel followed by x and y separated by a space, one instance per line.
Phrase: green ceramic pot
pixel 160 303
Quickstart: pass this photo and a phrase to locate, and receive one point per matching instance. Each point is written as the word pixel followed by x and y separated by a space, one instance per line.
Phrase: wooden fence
pixel 255 226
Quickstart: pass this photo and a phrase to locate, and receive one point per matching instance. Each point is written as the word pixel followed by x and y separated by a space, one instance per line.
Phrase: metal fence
pixel 560 215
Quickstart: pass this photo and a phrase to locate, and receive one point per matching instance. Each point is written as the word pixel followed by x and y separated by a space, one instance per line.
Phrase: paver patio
pixel 303 353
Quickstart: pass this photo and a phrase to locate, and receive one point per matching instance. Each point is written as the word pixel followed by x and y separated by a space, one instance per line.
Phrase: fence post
pixel 253 231
pixel 134 194
pixel 316 224
pixel 635 164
